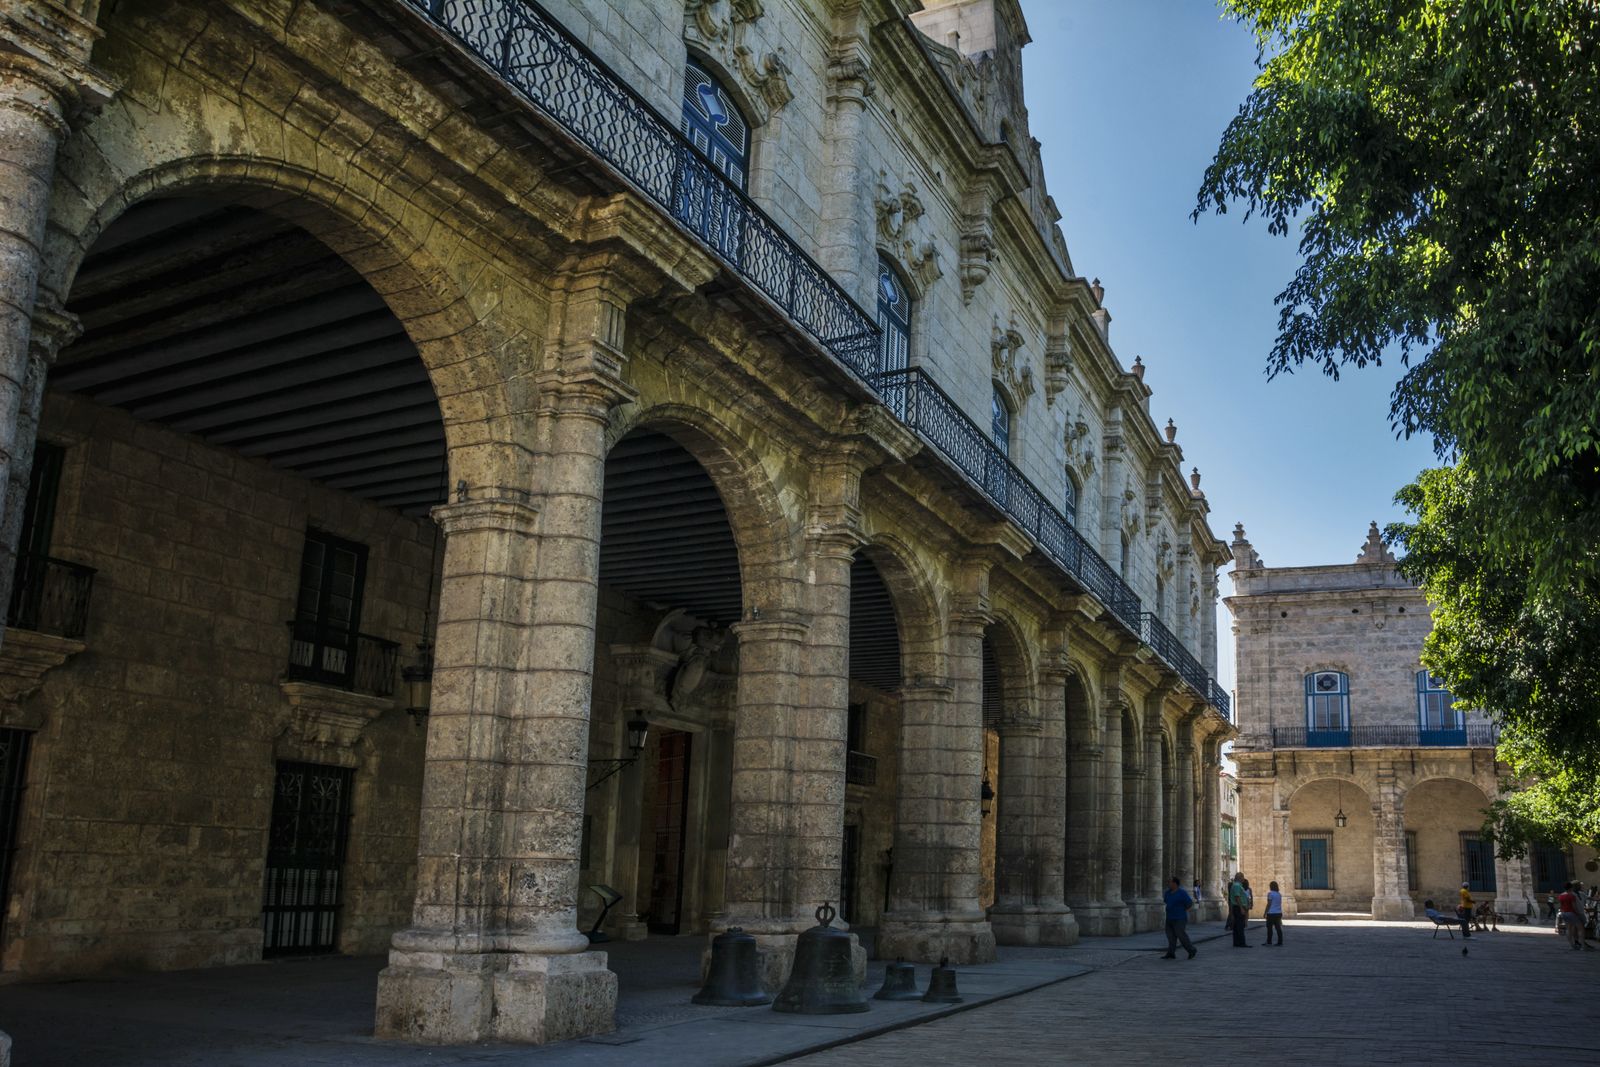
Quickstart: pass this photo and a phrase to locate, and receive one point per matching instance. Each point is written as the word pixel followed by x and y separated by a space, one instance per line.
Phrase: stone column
pixel 1183 764
pixel 1030 907
pixel 1152 843
pixel 933 901
pixel 45 79
pixel 1513 888
pixel 1108 914
pixel 1390 897
pixel 719 784
pixel 1266 845
pixel 630 881
pixel 847 248
pixel 493 952
pixel 1211 822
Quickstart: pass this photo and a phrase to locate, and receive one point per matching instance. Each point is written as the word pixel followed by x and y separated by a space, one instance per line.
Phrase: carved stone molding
pixel 977 255
pixel 1057 364
pixel 1010 365
pixel 325 723
pixel 903 233
pixel 25 658
pixel 720 29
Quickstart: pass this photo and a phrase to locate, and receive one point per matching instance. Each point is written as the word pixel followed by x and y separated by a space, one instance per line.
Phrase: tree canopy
pixel 1440 160
pixel 1440 163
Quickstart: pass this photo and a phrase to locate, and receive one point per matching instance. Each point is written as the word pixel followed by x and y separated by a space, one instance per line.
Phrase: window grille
pixel 1411 860
pixel 894 317
pixel 1477 863
pixel 1328 708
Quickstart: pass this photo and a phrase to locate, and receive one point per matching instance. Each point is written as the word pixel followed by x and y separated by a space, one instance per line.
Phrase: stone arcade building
pixel 1361 788
pixel 347 341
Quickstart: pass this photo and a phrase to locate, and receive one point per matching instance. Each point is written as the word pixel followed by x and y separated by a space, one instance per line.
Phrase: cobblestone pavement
pixel 1337 993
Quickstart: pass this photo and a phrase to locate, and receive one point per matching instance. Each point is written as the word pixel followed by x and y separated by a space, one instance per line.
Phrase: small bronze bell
pixel 899 983
pixel 942 985
pixel 734 978
pixel 823 981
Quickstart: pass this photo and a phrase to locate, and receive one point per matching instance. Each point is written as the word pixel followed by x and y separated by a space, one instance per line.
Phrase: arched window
pixel 894 318
pixel 1069 503
pixel 1440 723
pixel 1000 420
pixel 713 122
pixel 1328 708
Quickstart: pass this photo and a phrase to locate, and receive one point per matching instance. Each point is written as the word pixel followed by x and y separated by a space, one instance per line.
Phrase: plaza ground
pixel 1338 992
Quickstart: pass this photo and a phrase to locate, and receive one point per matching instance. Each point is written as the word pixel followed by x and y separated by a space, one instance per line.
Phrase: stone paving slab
pixel 319 1012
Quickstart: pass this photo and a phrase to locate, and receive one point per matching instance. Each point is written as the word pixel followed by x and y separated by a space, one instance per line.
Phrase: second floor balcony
pixel 1468 735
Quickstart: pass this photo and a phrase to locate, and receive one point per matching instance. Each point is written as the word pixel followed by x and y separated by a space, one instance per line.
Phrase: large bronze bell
pixel 942 985
pixel 823 981
pixel 899 983
pixel 734 978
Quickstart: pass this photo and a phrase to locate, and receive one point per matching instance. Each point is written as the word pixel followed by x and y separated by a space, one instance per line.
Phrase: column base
pixel 1149 913
pixel 630 930
pixel 930 940
pixel 1393 908
pixel 1104 920
pixel 1034 925
pixel 431 998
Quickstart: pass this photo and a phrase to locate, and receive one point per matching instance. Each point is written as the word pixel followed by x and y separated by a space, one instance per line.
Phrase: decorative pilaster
pixel 1390 897
pixel 1211 820
pixel 847 247
pixel 1107 915
pixel 1183 765
pixel 1152 839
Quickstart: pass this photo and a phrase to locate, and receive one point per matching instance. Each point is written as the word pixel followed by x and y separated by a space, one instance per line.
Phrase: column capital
pixel 49 44
pixel 927 689
pixel 53 329
pixel 465 515
pixel 791 631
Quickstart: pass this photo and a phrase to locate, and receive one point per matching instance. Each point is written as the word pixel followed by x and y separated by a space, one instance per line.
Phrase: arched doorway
pixel 229 553
pixel 1445 845
pixel 1330 842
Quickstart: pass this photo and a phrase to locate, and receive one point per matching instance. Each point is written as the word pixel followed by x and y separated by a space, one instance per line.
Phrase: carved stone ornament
pixel 325 723
pixel 720 29
pixel 977 254
pixel 903 233
pixel 1010 365
pixel 1057 364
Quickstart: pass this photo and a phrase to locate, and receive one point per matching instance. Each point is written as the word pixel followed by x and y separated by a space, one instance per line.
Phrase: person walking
pixel 1571 917
pixel 1238 908
pixel 1178 904
pixel 1465 908
pixel 1274 913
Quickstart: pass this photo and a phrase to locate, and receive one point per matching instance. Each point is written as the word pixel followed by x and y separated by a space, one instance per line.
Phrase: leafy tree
pixel 1523 652
pixel 1441 160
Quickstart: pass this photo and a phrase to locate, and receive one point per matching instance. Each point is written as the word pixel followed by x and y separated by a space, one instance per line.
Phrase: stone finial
pixel 1172 431
pixel 1374 552
pixel 1099 292
pixel 1194 484
pixel 1244 556
pixel 1138 367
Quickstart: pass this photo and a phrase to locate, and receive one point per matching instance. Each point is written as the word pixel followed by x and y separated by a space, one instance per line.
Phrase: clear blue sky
pixel 1130 99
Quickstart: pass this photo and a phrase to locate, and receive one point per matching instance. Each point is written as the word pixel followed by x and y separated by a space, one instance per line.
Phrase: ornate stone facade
pixel 1360 788
pixel 597 425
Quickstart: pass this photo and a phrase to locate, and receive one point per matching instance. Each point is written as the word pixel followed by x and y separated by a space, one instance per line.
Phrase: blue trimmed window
pixel 1328 709
pixel 894 318
pixel 1069 503
pixel 1438 721
pixel 1000 420
pixel 713 122
pixel 1313 869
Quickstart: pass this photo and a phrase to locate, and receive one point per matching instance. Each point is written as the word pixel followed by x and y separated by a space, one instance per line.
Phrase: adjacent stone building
pixel 457 453
pixel 1361 787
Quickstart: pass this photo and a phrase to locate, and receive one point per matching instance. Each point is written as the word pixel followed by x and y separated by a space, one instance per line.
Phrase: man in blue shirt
pixel 1178 905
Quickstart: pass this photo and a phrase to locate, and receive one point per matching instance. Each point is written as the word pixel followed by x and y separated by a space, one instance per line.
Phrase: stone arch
pixel 918 612
pixel 1016 667
pixel 763 530
pixel 1348 850
pixel 453 338
pixel 1443 816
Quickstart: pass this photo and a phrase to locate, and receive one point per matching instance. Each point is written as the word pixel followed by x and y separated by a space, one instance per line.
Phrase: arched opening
pixel 1133 803
pixel 1331 864
pixel 656 821
pixel 1082 855
pixel 713 121
pixel 1445 845
pixel 894 317
pixel 229 553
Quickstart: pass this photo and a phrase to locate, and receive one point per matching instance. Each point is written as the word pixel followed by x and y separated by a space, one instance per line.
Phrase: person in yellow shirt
pixel 1464 909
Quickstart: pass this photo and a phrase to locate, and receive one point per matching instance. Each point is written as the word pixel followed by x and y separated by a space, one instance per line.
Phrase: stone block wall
pixel 151 778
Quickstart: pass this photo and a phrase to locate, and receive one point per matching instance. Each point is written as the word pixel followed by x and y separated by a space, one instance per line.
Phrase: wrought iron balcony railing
pixel 50 596
pixel 860 768
pixel 1471 735
pixel 534 54
pixel 332 656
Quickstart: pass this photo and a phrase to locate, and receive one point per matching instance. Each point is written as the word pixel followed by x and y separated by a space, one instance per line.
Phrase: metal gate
pixel 13 768
pixel 305 857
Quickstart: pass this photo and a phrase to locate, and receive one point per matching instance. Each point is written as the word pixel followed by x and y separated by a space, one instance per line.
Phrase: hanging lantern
pixel 638 730
pixel 418 676
pixel 1341 818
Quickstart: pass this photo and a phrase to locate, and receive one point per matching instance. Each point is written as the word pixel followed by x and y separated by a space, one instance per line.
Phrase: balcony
pixel 860 769
pixel 50 596
pixel 1472 735
pixel 329 656
pixel 533 54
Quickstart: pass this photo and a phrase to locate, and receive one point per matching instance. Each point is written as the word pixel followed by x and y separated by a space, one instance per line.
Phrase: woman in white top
pixel 1274 913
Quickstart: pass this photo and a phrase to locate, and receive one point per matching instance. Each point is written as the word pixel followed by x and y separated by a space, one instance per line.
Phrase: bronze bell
pixel 734 978
pixel 823 981
pixel 942 985
pixel 899 982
